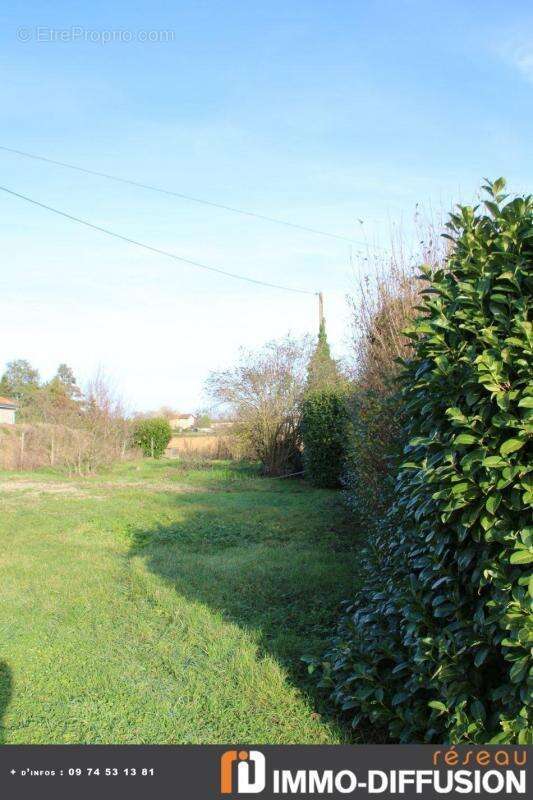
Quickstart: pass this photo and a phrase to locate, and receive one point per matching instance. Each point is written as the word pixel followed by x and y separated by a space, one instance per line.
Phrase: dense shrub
pixel 435 648
pixel 382 306
pixel 324 433
pixel 371 451
pixel 152 436
pixel 324 417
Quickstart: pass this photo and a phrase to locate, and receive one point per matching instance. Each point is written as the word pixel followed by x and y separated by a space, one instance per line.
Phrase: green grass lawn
pixel 157 603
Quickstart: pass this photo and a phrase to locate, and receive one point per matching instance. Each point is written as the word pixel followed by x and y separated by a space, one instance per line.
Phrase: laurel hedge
pixel 436 647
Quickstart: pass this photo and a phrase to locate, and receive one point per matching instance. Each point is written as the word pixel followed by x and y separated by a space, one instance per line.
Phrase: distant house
pixel 182 422
pixel 8 410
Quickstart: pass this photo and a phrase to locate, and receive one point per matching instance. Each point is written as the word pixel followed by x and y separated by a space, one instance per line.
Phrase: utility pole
pixel 320 310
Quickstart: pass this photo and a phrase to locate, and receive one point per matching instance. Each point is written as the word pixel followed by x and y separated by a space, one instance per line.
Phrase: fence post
pixel 22 439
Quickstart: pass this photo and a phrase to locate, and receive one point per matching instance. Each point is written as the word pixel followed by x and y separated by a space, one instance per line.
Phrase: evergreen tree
pixel 20 379
pixel 323 371
pixel 64 383
pixel 5 387
pixel 21 382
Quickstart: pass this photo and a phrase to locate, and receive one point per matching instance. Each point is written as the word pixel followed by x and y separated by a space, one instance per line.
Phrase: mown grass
pixel 166 603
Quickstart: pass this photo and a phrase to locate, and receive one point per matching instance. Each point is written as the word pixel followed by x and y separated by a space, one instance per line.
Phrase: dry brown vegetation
pixel 211 447
pixel 80 434
pixel 383 303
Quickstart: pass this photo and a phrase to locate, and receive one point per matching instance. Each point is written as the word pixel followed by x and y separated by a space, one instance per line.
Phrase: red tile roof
pixel 5 401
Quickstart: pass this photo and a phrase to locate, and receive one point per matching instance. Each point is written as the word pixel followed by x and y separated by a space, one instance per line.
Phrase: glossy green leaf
pixel 521 557
pixel 511 446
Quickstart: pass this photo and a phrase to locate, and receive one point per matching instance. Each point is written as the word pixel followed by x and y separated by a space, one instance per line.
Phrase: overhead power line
pixel 183 196
pixel 152 249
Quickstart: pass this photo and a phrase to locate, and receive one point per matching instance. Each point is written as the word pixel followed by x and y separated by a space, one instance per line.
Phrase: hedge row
pixel 437 645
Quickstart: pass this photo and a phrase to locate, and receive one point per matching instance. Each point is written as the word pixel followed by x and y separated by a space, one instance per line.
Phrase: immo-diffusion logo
pixel 242 771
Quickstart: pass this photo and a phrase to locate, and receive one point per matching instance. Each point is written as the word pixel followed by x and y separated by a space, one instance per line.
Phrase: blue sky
pixel 323 113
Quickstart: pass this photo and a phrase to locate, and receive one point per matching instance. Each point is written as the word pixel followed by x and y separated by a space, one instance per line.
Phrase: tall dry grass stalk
pixel 383 303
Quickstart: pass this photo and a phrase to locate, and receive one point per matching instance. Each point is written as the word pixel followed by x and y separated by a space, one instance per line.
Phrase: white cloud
pixel 519 54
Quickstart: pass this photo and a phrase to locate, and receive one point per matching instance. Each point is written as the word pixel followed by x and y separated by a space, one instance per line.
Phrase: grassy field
pixel 157 603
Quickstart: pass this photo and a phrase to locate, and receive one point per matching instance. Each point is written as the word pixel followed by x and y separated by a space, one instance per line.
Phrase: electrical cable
pixel 152 249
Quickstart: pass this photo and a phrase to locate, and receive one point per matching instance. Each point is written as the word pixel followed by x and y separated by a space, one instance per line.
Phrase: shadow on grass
pixel 6 691
pixel 278 564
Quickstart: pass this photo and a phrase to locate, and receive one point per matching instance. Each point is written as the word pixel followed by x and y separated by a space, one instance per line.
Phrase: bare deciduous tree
pixel 104 422
pixel 263 392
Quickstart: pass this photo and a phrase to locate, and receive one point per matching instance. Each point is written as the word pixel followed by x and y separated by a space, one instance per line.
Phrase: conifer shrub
pixel 324 434
pixel 323 422
pixel 436 647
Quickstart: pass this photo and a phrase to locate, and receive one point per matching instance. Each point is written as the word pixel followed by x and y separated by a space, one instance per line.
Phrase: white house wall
pixel 7 416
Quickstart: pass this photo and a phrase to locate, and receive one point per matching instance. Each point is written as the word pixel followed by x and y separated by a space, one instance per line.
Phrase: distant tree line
pixel 41 401
pixel 58 424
